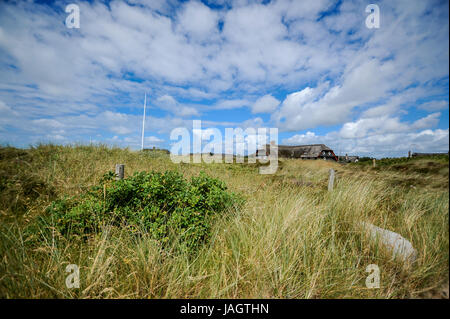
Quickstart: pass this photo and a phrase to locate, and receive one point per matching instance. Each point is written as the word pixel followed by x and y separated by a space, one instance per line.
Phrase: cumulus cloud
pixel 198 21
pixel 6 110
pixel 265 104
pixel 385 125
pixel 230 104
pixel 325 105
pixel 434 105
pixel 382 136
pixel 426 122
pixel 389 71
pixel 195 60
pixel 167 102
pixel 380 145
pixel 153 139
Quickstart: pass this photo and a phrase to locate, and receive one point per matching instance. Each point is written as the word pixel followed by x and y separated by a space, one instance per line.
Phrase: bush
pixel 159 203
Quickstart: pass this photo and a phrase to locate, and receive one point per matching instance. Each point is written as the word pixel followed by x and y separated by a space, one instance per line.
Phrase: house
pixel 352 159
pixel 348 158
pixel 313 151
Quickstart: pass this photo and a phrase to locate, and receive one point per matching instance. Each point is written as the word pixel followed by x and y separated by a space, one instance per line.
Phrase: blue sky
pixel 310 68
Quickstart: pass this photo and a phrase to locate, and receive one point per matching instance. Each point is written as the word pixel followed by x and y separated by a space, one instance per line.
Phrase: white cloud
pixel 383 136
pixel 303 9
pixel 121 130
pixel 153 139
pixel 69 82
pixel 370 126
pixel 434 105
pixel 369 82
pixel 48 123
pixel 167 102
pixel 301 139
pixel 231 104
pixel 380 145
pixel 426 122
pixel 265 104
pixel 198 21
pixel 385 125
pixel 5 110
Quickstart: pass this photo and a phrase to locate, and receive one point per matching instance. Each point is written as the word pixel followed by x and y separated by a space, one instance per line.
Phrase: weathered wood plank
pixel 120 171
pixel 331 180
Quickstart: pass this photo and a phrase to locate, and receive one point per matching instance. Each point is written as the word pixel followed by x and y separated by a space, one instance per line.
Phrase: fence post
pixel 374 163
pixel 331 180
pixel 120 171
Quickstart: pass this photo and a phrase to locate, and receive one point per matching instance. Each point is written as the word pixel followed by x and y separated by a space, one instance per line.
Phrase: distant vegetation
pixel 215 230
pixel 386 161
pixel 435 164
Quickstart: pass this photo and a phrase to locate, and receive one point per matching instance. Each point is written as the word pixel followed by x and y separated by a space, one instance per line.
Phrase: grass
pixel 291 239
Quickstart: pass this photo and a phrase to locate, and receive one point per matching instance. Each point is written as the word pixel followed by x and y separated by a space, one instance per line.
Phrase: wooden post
pixel 331 180
pixel 120 171
pixel 374 163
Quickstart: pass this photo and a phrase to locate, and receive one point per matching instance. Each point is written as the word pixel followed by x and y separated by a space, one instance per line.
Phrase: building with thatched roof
pixel 348 158
pixel 313 151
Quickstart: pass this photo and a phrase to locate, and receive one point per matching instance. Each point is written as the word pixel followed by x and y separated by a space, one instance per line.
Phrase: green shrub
pixel 162 204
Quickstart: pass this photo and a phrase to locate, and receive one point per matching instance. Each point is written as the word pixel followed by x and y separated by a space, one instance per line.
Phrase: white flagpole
pixel 143 122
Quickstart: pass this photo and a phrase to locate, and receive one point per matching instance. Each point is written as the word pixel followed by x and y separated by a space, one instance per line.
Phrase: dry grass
pixel 292 239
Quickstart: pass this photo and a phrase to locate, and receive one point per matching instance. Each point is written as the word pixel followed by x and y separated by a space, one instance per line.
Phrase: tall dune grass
pixel 292 239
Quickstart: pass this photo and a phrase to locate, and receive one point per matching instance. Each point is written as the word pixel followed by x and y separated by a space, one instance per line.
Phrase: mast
pixel 143 122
